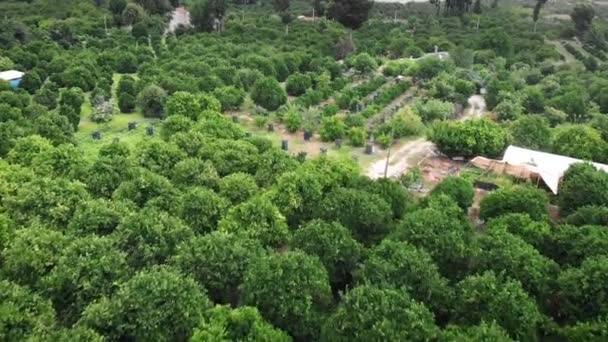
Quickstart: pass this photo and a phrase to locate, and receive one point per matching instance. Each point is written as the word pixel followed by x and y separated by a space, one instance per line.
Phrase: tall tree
pixel 155 6
pixel 282 7
pixel 582 15
pixel 208 15
pixel 536 12
pixel 350 13
pixel 117 6
pixel 452 7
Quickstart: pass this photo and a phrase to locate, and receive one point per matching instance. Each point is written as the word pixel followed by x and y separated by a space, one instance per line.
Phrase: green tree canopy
pixel 481 332
pixel 469 138
pixel 150 237
pixel 183 103
pixel 267 92
pixel 569 245
pixel 368 313
pixel 507 254
pixel 195 172
pixel 457 188
pixel 518 199
pixel 345 205
pixel 486 297
pixel 582 15
pixel 218 261
pixel 522 225
pixel 335 247
pixel 582 184
pixel 291 290
pixel 97 216
pixel 273 164
pixel 147 188
pixel 23 313
pixel 88 268
pixel 241 324
pixel 580 141
pixel 582 290
pixel 238 187
pixel 589 215
pixel 531 131
pixel 32 254
pixel 151 100
pixel 446 238
pixel 201 209
pixel 401 265
pixel 259 219
pixel 155 305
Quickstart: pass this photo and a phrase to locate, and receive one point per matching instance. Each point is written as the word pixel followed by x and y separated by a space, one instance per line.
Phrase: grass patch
pixel 117 128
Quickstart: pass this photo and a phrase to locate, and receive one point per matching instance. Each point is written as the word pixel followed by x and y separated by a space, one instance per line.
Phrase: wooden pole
pixel 388 155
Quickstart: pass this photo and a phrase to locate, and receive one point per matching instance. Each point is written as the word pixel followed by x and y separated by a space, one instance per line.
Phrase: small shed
pixel 13 77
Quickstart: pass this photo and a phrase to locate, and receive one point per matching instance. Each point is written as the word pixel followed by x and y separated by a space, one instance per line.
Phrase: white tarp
pixel 550 167
pixel 10 75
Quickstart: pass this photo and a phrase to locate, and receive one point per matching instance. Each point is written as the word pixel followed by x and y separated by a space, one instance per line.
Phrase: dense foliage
pixel 144 197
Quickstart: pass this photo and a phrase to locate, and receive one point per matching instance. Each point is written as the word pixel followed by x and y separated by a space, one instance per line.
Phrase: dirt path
pixel 411 152
pixel 401 159
pixel 557 16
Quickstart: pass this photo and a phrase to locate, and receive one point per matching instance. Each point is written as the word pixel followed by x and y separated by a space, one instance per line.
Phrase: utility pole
pixel 313 14
pixel 388 155
pixel 395 18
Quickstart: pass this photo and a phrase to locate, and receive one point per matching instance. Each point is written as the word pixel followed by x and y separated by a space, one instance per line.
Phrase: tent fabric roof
pixel 10 75
pixel 549 167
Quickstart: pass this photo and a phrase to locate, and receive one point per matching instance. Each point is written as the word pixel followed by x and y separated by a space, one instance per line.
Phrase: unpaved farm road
pixel 400 159
pixel 409 153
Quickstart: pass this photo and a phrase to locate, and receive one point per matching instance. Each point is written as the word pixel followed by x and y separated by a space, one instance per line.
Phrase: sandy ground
pixel 557 16
pixel 401 159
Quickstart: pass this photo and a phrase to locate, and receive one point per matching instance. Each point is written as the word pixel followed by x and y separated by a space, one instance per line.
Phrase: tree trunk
pixel 477 27
pixel 286 29
pixel 535 23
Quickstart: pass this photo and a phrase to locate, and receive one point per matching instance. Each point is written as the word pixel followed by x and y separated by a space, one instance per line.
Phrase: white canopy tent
pixel 10 75
pixel 521 162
